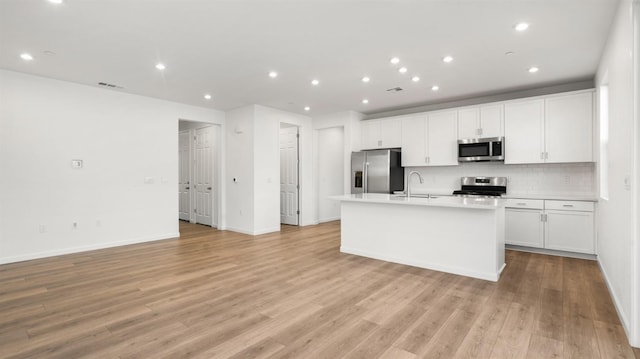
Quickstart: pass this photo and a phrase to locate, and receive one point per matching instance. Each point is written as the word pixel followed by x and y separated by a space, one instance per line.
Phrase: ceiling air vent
pixel 395 89
pixel 105 84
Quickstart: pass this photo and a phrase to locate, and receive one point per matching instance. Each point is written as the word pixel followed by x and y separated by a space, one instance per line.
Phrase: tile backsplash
pixel 532 179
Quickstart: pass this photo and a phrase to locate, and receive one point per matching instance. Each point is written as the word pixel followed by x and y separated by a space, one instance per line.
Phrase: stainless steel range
pixel 486 187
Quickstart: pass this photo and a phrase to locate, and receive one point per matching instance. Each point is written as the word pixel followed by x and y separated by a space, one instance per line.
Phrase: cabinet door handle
pixel 542 155
pixel 480 131
pixel 567 205
pixel 379 142
pixel 521 204
pixel 546 155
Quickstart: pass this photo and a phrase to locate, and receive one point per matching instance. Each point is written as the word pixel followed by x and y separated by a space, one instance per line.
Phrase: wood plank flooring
pixel 219 294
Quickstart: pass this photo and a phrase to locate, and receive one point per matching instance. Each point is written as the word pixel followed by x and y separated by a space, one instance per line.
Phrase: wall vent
pixel 106 84
pixel 395 89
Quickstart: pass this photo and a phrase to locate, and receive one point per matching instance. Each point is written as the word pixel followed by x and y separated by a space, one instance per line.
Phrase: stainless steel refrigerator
pixel 376 171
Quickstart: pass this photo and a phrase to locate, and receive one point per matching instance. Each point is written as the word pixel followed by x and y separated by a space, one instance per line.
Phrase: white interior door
pixel 184 201
pixel 203 174
pixel 289 175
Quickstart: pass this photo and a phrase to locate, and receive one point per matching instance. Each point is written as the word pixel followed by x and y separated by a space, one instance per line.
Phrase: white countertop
pixel 437 201
pixel 555 197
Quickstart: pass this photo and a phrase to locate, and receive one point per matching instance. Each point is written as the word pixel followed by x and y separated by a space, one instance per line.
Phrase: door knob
pixel 209 188
pixel 187 187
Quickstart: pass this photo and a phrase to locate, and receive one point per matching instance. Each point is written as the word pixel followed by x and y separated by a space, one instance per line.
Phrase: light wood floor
pixel 292 294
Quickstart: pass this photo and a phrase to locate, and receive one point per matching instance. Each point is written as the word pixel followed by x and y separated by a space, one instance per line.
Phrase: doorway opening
pixel 198 169
pixel 289 174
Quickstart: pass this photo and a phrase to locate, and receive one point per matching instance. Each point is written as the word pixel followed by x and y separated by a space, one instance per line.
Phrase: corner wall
pixel 617 216
pixel 350 122
pixel 124 141
pixel 253 200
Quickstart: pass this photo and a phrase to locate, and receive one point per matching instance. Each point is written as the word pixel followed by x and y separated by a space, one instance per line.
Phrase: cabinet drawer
pixel 569 205
pixel 525 203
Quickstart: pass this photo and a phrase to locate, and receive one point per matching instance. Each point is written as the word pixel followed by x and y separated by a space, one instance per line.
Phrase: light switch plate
pixel 76 164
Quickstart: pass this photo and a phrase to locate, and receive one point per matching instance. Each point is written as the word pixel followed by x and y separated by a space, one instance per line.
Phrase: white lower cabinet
pixel 569 231
pixel 558 225
pixel 523 227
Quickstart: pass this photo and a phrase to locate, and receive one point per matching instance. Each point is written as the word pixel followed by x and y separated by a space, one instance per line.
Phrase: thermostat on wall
pixel 76 164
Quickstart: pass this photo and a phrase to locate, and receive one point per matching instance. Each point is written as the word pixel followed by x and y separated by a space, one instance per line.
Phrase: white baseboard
pixel 266 230
pixel 324 220
pixel 253 233
pixel 59 252
pixel 616 302
pixel 551 252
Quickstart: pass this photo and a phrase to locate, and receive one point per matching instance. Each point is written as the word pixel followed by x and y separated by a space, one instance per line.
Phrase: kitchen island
pixel 457 235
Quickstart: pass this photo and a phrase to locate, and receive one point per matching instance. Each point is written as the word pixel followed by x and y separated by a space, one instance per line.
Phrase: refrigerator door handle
pixel 365 175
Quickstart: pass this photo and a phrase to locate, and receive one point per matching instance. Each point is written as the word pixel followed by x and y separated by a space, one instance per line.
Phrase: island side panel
pixel 450 239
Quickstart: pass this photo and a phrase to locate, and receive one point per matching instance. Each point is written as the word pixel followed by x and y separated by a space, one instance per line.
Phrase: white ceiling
pixel 227 48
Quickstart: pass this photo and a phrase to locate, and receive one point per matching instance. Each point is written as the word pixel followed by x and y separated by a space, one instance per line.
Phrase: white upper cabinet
pixel 569 128
pixel 442 140
pixel 479 122
pixel 381 133
pixel 492 121
pixel 524 130
pixel 468 123
pixel 554 129
pixel 414 141
pixel 430 140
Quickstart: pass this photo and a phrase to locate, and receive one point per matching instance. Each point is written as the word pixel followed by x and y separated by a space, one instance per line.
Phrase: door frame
pixel 217 168
pixel 189 133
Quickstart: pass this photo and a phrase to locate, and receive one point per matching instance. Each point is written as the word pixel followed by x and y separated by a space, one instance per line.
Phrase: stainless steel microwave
pixel 481 149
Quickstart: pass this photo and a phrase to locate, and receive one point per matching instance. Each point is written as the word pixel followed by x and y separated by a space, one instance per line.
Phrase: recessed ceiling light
pixel 56 1
pixel 273 74
pixel 447 59
pixel 307 108
pixel 521 26
pixel 160 66
pixel 365 101
pixel 415 79
pixel 395 60
pixel 366 79
pixel 402 70
pixel 435 88
pixel 315 82
pixel 533 70
pixel 207 97
pixel 26 57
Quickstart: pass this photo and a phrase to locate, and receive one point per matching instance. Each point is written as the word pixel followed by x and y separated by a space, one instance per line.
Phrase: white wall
pixel 121 138
pixel 635 308
pixel 268 122
pixel 349 121
pixel 239 143
pixel 330 172
pixel 576 179
pixel 254 159
pixel 615 216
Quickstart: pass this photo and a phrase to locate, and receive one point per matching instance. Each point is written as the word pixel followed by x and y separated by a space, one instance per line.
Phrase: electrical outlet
pixel 567 179
pixel 42 228
pixel 98 223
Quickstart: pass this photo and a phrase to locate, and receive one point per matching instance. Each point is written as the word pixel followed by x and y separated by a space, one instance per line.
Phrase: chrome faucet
pixel 409 182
